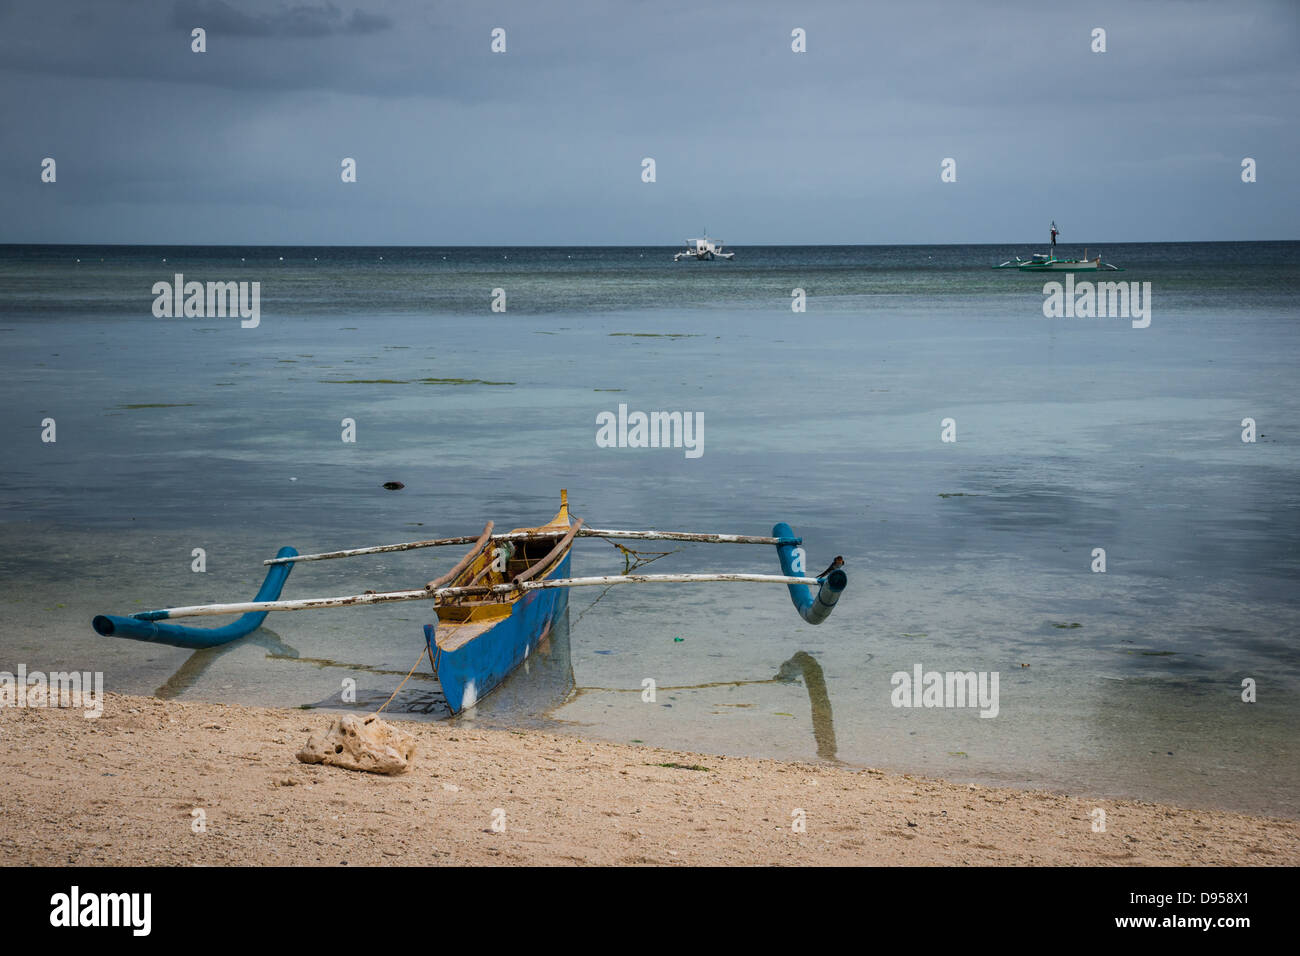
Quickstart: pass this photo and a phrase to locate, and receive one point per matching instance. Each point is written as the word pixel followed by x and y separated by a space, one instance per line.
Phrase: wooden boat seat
pixel 464 563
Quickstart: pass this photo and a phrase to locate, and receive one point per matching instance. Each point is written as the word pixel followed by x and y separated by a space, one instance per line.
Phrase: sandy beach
pixel 124 790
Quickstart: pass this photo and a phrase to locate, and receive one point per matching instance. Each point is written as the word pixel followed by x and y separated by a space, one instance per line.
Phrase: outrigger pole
pixel 693 536
pixel 422 594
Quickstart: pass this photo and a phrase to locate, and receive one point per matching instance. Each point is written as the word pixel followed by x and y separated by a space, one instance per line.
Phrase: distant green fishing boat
pixel 1048 262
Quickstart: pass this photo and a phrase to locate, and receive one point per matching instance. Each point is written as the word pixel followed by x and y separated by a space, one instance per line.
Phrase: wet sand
pixel 123 790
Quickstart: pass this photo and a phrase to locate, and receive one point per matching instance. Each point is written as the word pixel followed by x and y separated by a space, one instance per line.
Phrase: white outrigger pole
pixel 814 607
pixel 693 536
pixel 422 594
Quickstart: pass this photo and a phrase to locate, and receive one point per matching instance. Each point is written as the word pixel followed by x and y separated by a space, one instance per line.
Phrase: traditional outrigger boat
pixel 495 606
pixel 703 249
pixel 1042 262
pixel 1047 261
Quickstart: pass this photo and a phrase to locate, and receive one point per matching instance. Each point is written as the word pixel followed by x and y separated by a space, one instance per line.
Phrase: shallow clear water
pixel 1072 434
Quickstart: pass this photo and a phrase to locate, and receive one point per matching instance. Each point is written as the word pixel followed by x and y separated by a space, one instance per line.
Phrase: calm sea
pixel 972 555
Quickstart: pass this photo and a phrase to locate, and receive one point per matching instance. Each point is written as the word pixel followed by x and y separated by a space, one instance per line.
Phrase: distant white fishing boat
pixel 703 248
pixel 1042 262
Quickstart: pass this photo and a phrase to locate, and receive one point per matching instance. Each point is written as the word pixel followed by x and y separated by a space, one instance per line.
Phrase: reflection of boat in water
pixel 189 673
pixel 541 684
pixel 804 665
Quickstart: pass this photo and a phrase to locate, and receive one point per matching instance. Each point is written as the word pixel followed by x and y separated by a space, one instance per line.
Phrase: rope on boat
pixel 633 559
pixel 630 555
pixel 401 685
pixel 593 604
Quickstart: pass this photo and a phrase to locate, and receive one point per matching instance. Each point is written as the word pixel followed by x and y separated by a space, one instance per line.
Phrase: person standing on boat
pixel 1054 235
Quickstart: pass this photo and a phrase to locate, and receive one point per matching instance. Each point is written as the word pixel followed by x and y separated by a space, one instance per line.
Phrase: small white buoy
pixel 282 258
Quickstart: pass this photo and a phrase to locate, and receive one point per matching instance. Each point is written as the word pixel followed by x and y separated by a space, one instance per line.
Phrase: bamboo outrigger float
pixel 495 606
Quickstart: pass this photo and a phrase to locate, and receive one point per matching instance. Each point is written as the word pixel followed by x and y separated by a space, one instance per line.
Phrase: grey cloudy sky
pixel 543 144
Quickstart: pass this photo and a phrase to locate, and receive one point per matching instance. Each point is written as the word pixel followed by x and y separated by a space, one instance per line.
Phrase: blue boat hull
pixel 471 671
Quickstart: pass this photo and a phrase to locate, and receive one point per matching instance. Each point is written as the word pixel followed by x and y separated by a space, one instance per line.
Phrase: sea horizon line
pixel 747 245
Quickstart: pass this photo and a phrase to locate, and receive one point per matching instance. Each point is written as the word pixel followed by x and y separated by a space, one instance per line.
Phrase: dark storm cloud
pixel 249 45
pixel 544 143
pixel 301 20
